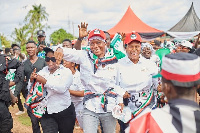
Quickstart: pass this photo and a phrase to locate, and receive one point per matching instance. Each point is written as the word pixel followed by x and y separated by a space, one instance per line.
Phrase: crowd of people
pixel 144 86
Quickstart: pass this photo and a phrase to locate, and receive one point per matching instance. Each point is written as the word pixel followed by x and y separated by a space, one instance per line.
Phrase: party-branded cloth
pixel 104 100
pixel 36 99
pixel 117 46
pixel 109 58
pixel 11 76
pixel 179 115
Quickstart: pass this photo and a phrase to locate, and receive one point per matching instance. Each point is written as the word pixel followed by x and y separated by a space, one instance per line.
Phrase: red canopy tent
pixel 130 22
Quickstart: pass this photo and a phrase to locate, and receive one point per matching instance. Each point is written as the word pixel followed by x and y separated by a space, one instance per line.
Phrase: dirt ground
pixel 18 127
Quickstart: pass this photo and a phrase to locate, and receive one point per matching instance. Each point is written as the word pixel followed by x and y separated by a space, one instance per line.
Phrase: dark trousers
pixel 35 122
pixel 24 93
pixel 6 121
pixel 19 104
pixel 123 126
pixel 63 121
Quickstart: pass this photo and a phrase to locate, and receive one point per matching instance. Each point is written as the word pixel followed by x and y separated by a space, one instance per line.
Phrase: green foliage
pixel 34 19
pixel 5 41
pixel 20 35
pixel 59 35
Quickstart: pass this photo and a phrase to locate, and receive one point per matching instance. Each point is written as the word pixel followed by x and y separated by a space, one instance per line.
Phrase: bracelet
pixel 80 39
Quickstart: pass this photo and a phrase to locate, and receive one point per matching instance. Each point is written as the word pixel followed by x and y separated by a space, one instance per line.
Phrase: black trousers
pixel 24 92
pixel 19 103
pixel 6 121
pixel 34 121
pixel 63 121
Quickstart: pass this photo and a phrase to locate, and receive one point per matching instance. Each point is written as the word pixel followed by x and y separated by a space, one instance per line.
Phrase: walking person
pixel 6 96
pixel 30 64
pixel 135 77
pixel 76 91
pixel 60 112
pixel 180 80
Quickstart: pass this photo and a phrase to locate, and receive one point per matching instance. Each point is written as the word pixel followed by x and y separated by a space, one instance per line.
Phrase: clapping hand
pixel 33 75
pixel 58 55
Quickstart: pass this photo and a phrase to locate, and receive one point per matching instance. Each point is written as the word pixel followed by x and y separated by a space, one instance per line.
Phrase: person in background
pixel 41 36
pixel 148 53
pixel 7 52
pixel 182 113
pixel 186 46
pixel 41 43
pixel 17 54
pixel 76 91
pixel 67 43
pixel 60 112
pixel 6 96
pixel 156 44
pixel 32 62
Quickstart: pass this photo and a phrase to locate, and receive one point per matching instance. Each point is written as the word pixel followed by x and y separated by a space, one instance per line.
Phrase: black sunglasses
pixel 47 59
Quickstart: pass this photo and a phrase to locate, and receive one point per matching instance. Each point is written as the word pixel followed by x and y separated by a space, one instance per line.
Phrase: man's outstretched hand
pixel 83 30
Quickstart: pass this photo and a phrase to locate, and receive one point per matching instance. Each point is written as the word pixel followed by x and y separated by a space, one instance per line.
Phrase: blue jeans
pixel 91 121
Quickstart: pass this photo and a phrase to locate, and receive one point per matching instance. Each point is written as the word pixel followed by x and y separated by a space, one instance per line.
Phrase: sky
pixel 102 14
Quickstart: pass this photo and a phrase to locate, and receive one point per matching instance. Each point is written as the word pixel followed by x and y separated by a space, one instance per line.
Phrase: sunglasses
pixel 47 59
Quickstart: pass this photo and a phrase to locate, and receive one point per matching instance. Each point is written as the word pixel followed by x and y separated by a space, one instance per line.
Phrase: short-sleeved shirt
pixel 29 67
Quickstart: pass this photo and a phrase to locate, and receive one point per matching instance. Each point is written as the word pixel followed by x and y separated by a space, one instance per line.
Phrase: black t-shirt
pixel 29 67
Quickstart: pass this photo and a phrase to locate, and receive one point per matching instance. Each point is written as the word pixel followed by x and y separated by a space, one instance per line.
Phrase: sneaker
pixel 20 113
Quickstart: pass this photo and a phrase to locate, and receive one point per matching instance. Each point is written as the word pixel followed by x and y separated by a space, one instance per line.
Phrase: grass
pixel 24 119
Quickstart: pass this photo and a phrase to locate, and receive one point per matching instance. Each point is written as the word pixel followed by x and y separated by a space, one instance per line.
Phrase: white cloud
pixel 103 14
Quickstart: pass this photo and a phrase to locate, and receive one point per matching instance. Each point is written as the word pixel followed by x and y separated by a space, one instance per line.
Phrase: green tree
pixel 20 35
pixel 59 35
pixel 5 41
pixel 34 19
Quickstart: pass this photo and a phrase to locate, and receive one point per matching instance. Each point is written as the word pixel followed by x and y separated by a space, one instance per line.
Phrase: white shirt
pixel 76 86
pixel 98 83
pixel 58 83
pixel 137 77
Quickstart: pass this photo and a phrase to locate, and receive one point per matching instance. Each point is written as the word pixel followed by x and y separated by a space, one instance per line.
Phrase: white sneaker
pixel 20 113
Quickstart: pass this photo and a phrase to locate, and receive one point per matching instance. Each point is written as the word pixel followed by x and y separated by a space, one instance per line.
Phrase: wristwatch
pixel 80 39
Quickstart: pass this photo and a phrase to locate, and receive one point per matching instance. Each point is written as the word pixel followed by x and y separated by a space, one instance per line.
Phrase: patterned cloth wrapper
pixel 36 99
pixel 108 93
pixel 10 76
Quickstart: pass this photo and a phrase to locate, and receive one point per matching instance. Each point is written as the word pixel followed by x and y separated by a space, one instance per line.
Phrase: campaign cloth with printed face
pixel 36 99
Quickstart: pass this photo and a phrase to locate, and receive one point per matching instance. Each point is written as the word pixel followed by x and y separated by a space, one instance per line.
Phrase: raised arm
pixel 82 33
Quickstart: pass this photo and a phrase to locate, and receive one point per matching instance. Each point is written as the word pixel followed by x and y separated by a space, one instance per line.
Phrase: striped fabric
pixel 179 115
pixel 177 68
